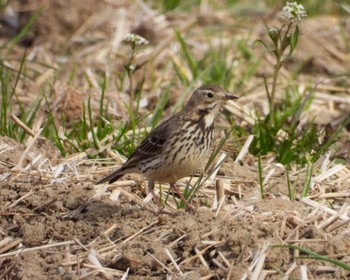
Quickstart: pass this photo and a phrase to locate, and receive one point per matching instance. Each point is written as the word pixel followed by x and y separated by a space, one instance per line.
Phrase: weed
pixel 280 131
pixel 135 42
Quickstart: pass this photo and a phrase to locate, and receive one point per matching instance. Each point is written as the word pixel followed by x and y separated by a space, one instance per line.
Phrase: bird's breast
pixel 183 154
pixel 187 153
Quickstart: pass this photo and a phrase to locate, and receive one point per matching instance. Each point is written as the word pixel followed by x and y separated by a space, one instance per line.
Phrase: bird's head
pixel 208 99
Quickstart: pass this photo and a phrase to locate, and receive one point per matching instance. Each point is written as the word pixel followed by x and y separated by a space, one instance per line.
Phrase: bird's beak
pixel 229 96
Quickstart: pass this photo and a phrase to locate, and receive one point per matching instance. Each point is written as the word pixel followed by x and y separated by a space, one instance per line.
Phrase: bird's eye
pixel 210 94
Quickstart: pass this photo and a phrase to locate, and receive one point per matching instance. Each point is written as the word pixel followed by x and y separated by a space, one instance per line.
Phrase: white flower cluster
pixel 136 39
pixel 293 11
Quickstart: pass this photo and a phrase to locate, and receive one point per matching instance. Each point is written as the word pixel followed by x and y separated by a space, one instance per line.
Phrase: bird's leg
pixel 188 206
pixel 150 189
pixel 202 172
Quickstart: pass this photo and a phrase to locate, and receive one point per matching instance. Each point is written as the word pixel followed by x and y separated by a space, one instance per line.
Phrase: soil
pixel 37 212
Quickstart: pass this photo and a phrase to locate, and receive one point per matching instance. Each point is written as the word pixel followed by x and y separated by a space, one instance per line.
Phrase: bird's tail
pixel 114 176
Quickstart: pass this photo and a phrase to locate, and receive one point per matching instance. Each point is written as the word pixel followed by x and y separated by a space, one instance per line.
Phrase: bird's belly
pixel 180 162
pixel 170 173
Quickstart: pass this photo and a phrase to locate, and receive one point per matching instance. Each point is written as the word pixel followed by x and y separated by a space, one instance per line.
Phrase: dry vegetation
pixel 56 224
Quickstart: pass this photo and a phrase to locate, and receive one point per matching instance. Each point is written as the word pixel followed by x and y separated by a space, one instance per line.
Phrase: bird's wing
pixel 154 142
pixel 153 145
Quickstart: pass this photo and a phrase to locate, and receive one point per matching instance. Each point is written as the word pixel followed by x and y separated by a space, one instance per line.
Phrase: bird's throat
pixel 209 119
pixel 208 115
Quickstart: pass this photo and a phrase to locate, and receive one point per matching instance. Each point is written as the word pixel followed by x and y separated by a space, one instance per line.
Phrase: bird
pixel 179 145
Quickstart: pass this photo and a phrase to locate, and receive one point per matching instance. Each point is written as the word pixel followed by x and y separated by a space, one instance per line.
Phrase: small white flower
pixel 273 32
pixel 136 39
pixel 293 11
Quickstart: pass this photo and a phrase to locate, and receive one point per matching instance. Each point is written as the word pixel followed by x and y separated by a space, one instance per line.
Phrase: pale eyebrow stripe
pixel 208 91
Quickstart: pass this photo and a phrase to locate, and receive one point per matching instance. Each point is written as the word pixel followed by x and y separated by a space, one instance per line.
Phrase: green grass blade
pixel 260 177
pixel 308 177
pixel 188 57
pixel 161 104
pixel 290 191
pixel 51 123
pixel 314 256
pixel 92 131
pixel 24 31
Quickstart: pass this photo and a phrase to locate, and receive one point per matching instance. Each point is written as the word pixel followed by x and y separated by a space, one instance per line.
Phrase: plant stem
pixel 280 48
pixel 131 89
pixel 130 72
pixel 274 85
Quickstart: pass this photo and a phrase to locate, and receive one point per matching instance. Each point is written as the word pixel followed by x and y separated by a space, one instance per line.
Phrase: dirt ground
pixel 56 224
pixel 123 236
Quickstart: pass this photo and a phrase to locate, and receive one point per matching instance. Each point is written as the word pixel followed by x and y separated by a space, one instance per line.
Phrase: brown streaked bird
pixel 179 145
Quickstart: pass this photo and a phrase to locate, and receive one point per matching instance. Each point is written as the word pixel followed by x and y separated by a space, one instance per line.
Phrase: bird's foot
pixel 189 208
